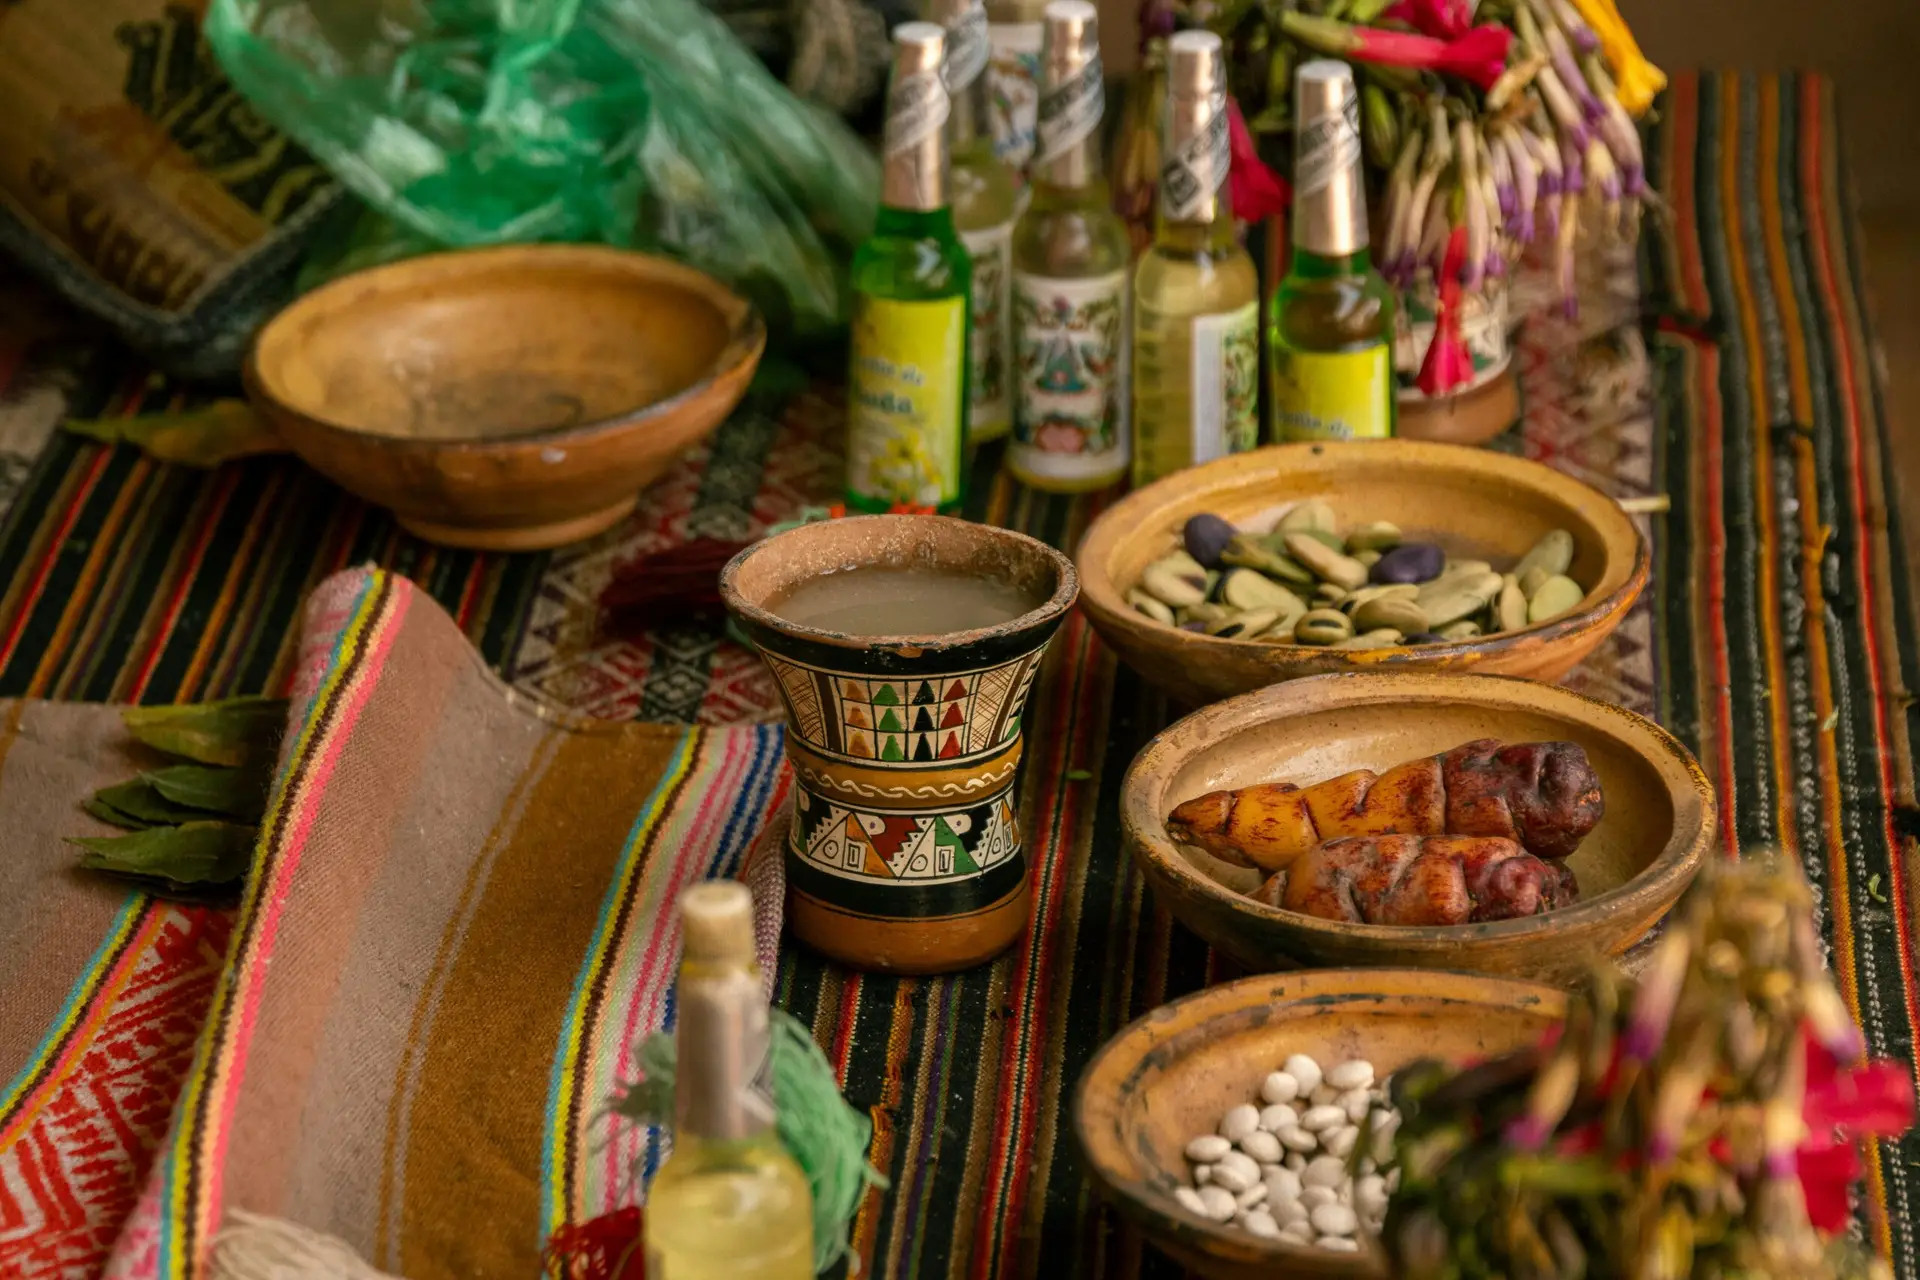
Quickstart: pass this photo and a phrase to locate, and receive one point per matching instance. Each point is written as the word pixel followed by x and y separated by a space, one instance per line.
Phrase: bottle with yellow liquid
pixel 1072 263
pixel 1196 326
pixel 729 1203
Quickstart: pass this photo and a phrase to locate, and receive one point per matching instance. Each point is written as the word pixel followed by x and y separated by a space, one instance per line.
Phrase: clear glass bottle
pixel 1196 324
pixel 729 1203
pixel 907 384
pixel 984 193
pixel 1071 270
pixel 1331 322
pixel 1014 30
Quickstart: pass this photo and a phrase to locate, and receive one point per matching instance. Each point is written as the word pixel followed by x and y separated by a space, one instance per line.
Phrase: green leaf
pixel 204 437
pixel 140 806
pixel 240 794
pixel 98 808
pixel 237 731
pixel 197 853
pixel 1078 775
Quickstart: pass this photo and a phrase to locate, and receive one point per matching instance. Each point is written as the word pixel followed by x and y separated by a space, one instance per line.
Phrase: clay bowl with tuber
pixel 1480 508
pixel 1176 1072
pixel 505 399
pixel 1631 865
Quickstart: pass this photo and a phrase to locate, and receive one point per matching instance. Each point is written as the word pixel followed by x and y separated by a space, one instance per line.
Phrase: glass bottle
pixel 1071 268
pixel 1196 323
pixel 729 1203
pixel 1331 321
pixel 907 385
pixel 1014 30
pixel 984 193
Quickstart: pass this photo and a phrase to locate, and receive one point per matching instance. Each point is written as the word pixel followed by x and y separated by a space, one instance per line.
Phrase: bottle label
pixel 1194 172
pixel 1226 383
pixel 1326 149
pixel 1483 327
pixel 967 49
pixel 1071 113
pixel 1344 395
pixel 905 437
pixel 1014 79
pixel 917 107
pixel 990 390
pixel 1072 338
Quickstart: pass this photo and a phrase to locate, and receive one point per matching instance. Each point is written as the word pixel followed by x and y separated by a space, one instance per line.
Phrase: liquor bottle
pixel 907 386
pixel 1014 29
pixel 729 1203
pixel 1196 321
pixel 1071 263
pixel 1331 322
pixel 985 197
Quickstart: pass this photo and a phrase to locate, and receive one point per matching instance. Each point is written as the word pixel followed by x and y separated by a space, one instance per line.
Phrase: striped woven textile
pixel 1728 367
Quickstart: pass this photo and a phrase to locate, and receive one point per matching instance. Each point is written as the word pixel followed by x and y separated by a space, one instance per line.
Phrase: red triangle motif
pixel 958 689
pixel 953 719
pixel 951 747
pixel 894 834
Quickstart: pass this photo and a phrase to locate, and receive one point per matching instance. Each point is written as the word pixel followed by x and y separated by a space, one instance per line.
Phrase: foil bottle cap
pixel 1330 200
pixel 1072 95
pixel 1195 138
pixel 913 144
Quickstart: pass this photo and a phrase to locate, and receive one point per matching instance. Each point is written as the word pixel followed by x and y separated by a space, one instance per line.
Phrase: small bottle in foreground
pixel 1071 263
pixel 729 1203
pixel 1196 334
pixel 1331 322
pixel 907 386
pixel 985 197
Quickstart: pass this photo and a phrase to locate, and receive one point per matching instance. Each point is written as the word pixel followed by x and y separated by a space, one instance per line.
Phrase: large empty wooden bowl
pixel 506 399
pixel 1471 502
pixel 1635 864
pixel 1175 1072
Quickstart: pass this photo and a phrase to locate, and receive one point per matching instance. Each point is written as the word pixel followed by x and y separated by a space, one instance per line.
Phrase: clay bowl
pixel 505 399
pixel 1645 851
pixel 1472 502
pixel 1175 1072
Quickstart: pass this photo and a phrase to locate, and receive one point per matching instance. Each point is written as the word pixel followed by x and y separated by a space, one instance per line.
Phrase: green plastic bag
pixel 640 123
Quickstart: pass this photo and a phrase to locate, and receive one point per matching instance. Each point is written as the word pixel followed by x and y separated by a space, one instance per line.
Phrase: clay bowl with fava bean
pixel 1177 1072
pixel 1330 543
pixel 1548 829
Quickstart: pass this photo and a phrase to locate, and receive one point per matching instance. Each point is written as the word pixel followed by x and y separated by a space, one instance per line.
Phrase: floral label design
pixel 1226 383
pixel 990 353
pixel 904 401
pixel 1072 341
pixel 1014 78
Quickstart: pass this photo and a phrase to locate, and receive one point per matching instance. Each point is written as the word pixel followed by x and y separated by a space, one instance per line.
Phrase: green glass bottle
pixel 1330 325
pixel 907 385
pixel 985 197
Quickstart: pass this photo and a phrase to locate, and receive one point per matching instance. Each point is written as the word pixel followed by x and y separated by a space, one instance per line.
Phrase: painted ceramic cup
pixel 904 854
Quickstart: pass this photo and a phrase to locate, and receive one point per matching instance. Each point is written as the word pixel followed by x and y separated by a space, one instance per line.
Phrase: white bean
pixel 1262 1224
pixel 1319 1197
pixel 1324 1171
pixel 1305 1072
pixel 1319 1119
pixel 1262 1146
pixel 1207 1148
pixel 1283 1184
pixel 1295 1161
pixel 1252 1196
pixel 1202 1174
pixel 1367 1166
pixel 1340 1141
pixel 1393 1181
pixel 1298 1233
pixel 1356 1103
pixel 1280 1087
pixel 1334 1220
pixel 1355 1073
pixel 1370 1195
pixel 1286 1212
pixel 1298 1139
pixel 1337 1244
pixel 1216 1202
pixel 1190 1200
pixel 1323 1095
pixel 1278 1116
pixel 1239 1122
pixel 1235 1172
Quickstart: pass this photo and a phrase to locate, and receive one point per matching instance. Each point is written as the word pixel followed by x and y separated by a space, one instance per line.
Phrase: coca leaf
pixel 195 853
pixel 240 794
pixel 137 805
pixel 237 731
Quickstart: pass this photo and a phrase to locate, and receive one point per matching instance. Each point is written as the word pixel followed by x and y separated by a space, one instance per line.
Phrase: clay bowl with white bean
pixel 1158 1098
pixel 1483 512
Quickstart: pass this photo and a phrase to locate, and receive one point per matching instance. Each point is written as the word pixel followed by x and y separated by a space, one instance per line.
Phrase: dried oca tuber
pixel 1419 880
pixel 1543 795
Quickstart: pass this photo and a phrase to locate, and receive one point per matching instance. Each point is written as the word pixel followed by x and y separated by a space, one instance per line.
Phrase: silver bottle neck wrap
pixel 1195 142
pixel 968 53
pixel 1329 191
pixel 1073 96
pixel 913 146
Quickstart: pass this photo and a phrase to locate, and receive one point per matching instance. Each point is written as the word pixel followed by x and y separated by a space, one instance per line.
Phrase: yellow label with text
pixel 907 401
pixel 1342 395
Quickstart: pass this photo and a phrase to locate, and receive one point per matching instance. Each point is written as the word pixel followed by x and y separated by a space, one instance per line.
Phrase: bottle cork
pixel 716 922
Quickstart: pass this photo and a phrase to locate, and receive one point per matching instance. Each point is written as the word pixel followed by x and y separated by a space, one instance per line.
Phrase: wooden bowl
pixel 508 399
pixel 1470 501
pixel 1175 1072
pixel 1635 864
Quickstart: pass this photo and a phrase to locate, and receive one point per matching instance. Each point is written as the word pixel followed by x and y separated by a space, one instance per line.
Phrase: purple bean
pixel 1409 562
pixel 1207 536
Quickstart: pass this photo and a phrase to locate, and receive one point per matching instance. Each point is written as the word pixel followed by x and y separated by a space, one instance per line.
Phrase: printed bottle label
pixel 1014 80
pixel 904 401
pixel 1072 344
pixel 1346 395
pixel 1226 383
pixel 990 354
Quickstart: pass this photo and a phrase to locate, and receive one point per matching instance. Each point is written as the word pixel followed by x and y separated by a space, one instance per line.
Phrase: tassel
pixel 254 1247
pixel 607 1248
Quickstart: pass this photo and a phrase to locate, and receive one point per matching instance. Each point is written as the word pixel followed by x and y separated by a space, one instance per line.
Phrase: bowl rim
pixel 1104 600
pixel 1163 1213
pixel 745 343
pixel 1664 878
